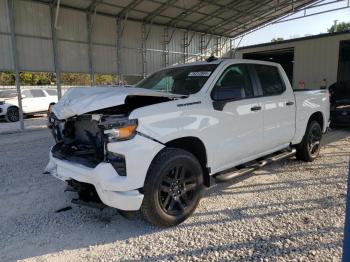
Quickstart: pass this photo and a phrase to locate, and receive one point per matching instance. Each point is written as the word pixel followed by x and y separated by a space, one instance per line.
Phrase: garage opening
pixel 285 57
pixel 344 65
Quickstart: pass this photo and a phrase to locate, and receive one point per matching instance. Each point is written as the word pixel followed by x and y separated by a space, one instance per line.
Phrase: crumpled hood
pixel 80 100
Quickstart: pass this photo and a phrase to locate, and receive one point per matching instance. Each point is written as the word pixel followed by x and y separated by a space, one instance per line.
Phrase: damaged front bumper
pixel 115 190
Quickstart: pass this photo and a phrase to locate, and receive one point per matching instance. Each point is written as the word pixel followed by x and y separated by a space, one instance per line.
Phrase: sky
pixel 300 27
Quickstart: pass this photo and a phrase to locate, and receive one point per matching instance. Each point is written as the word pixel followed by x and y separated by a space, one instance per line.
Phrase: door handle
pixel 255 108
pixel 290 103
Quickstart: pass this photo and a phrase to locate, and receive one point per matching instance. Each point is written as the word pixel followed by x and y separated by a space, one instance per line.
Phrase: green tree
pixel 27 78
pixel 277 39
pixel 7 78
pixel 75 79
pixel 104 79
pixel 341 27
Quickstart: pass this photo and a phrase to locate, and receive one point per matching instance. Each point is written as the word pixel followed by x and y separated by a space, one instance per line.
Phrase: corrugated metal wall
pixel 6 62
pixel 163 46
pixel 314 59
pixel 34 43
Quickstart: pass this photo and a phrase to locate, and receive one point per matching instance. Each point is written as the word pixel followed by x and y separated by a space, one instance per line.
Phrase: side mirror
pixel 223 94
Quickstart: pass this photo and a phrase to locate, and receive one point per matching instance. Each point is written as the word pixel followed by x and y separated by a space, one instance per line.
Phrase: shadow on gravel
pixel 268 210
pixel 262 247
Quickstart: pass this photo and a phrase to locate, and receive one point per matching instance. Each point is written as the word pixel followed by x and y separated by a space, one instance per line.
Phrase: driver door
pixel 240 126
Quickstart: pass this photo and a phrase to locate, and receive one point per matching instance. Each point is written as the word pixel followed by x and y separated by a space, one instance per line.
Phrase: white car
pixel 155 146
pixel 33 101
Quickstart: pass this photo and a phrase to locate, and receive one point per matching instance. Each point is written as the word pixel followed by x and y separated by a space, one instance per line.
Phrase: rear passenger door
pixel 278 107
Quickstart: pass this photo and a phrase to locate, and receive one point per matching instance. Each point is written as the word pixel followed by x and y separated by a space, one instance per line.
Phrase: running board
pixel 224 177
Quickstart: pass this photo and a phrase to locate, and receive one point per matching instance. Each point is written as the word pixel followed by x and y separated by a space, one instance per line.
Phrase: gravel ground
pixel 288 211
pixel 30 123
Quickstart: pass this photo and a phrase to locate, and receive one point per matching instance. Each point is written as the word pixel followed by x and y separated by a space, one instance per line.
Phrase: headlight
pixel 120 133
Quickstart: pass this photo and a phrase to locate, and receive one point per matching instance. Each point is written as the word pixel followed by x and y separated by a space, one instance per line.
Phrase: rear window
pixel 270 80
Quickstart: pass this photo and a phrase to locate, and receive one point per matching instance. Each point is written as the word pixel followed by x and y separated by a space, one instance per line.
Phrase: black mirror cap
pixel 226 93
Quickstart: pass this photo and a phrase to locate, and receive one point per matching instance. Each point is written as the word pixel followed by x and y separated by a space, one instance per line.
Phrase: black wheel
pixel 49 110
pixel 12 114
pixel 309 149
pixel 172 188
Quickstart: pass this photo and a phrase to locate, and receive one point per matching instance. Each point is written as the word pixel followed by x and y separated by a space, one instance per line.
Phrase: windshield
pixel 183 80
pixel 8 93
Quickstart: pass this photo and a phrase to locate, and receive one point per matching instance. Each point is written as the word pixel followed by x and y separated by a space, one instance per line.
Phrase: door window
pixel 270 80
pixel 234 83
pixel 26 94
pixel 37 93
pixel 51 92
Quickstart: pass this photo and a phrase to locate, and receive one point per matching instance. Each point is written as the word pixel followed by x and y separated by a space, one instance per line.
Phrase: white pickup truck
pixel 34 100
pixel 155 146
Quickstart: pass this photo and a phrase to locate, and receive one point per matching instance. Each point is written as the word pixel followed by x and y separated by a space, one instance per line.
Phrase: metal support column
pixel 218 46
pixel 202 46
pixel 143 50
pixel 120 29
pixel 185 45
pixel 231 52
pixel 89 33
pixel 55 51
pixel 11 11
pixel 165 46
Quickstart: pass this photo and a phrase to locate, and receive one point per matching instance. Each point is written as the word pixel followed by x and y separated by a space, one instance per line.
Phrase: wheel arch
pixel 195 146
pixel 319 118
pixel 11 106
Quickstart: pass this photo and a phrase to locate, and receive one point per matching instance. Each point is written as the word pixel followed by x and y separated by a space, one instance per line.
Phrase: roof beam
pixel 187 12
pixel 93 5
pixel 130 6
pixel 265 18
pixel 262 18
pixel 234 19
pixel 218 11
pixel 159 10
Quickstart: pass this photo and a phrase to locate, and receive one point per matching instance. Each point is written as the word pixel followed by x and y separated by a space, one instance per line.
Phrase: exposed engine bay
pixel 83 139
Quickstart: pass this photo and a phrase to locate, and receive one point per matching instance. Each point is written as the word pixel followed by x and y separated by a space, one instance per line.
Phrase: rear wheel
pixel 309 149
pixel 172 188
pixel 12 114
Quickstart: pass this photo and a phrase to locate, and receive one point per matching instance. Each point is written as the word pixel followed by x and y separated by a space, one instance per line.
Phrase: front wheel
pixel 309 148
pixel 12 114
pixel 172 188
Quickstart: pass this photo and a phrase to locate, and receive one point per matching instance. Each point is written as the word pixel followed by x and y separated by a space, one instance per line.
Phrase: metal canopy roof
pixel 228 18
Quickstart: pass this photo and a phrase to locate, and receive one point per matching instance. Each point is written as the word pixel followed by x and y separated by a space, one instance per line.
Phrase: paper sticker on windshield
pixel 200 73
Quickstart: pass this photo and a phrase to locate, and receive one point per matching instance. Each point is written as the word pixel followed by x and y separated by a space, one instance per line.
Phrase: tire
pixel 12 114
pixel 173 187
pixel 309 148
pixel 49 110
